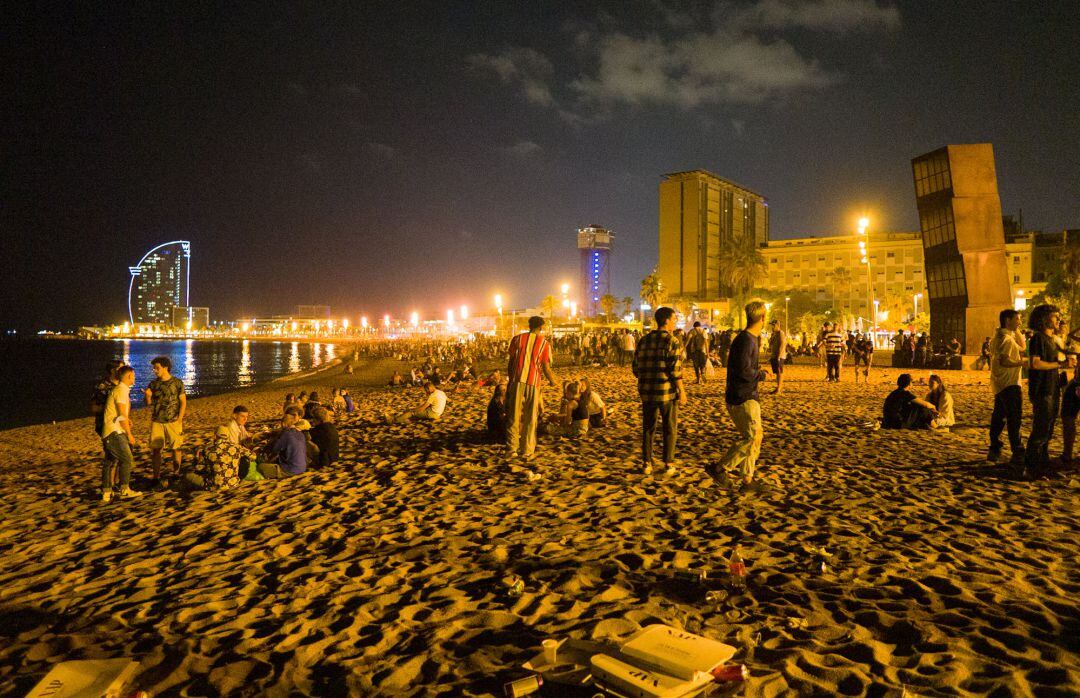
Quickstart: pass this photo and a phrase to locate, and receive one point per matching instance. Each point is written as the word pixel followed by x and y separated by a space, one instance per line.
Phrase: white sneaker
pixel 532 475
pixel 128 493
pixel 106 496
pixel 669 470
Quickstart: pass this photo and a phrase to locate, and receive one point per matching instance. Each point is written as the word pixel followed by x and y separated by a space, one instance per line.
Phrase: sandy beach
pixel 383 576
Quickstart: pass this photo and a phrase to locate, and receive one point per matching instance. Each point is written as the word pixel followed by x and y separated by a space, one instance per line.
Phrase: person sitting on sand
pixel 325 436
pixel 218 466
pixel 396 380
pixel 899 410
pixel 594 404
pixel 350 406
pixel 290 449
pixel 290 401
pixel 432 409
pixel 338 401
pixel 496 414
pixel 571 419
pixel 936 410
pixel 492 379
pixel 235 430
pixel 313 403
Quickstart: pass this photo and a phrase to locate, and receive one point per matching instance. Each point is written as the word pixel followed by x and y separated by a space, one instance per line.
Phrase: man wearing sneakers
pixel 834 352
pixel 168 402
pixel 1005 367
pixel 117 437
pixel 530 357
pixel 741 396
pixel 658 367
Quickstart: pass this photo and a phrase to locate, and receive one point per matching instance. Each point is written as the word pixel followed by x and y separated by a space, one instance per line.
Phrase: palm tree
pixel 627 305
pixel 607 303
pixel 841 278
pixel 741 264
pixel 652 289
pixel 548 305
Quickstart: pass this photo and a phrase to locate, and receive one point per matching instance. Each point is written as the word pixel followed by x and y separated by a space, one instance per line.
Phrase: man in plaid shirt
pixel 658 367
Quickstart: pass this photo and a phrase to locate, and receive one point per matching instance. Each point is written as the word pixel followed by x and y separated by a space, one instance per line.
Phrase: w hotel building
pixel 700 214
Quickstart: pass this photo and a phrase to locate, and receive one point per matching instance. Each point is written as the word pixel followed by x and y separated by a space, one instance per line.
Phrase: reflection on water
pixel 189 362
pixel 294 358
pixel 126 358
pixel 243 375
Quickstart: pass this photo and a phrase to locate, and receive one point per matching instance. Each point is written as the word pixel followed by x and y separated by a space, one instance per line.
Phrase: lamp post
pixel 787 319
pixel 916 298
pixel 864 250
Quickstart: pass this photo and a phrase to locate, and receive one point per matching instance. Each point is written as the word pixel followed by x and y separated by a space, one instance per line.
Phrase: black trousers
pixel 832 366
pixel 1008 410
pixel 1044 412
pixel 669 414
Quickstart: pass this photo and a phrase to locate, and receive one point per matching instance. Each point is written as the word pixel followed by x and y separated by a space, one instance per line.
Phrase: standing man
pixel 658 367
pixel 117 437
pixel 834 353
pixel 1043 388
pixel 777 353
pixel 99 397
pixel 530 356
pixel 1005 367
pixel 741 396
pixel 696 344
pixel 168 402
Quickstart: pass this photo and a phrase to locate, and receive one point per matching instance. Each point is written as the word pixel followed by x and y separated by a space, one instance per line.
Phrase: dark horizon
pixel 384 159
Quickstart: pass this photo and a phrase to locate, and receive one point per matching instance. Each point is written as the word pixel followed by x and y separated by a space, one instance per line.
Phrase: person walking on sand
pixel 1044 389
pixel 530 358
pixel 657 365
pixel 117 437
pixel 168 402
pixel 99 396
pixel 696 343
pixel 741 397
pixel 778 346
pixel 1006 364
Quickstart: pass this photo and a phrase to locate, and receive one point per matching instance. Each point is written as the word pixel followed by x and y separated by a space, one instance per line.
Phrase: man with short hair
pixel 290 449
pixel 325 436
pixel 236 428
pixel 99 396
pixel 657 365
pixel 432 409
pixel 529 360
pixel 117 437
pixel 697 343
pixel 1044 388
pixel 898 404
pixel 741 398
pixel 1005 368
pixel 778 344
pixel 168 402
pixel 834 352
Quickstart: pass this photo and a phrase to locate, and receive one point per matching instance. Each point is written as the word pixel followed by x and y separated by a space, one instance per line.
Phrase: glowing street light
pixel 386 321
pixel 498 303
pixel 916 299
pixel 450 316
pixel 464 312
pixel 787 320
pixel 244 327
pixel 573 308
pixel 864 250
pixel 345 323
pixel 363 322
pixel 415 319
pixel 565 289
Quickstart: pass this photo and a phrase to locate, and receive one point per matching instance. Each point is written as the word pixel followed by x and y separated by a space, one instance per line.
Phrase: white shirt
pixel 946 417
pixel 114 417
pixel 1005 344
pixel 436 402
pixel 596 404
pixel 237 433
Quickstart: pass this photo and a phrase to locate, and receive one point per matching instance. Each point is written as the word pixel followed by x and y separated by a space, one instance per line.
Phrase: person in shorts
pixel 168 402
pixel 778 347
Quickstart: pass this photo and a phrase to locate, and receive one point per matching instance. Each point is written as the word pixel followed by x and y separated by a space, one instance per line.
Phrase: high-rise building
pixel 159 283
pixel 188 318
pixel 700 215
pixel 594 243
pixel 967 275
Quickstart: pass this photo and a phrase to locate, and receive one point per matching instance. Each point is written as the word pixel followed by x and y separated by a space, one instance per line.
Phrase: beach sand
pixel 384 576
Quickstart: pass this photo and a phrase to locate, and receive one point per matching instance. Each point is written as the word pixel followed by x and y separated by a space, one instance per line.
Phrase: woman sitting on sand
pixel 936 410
pixel 568 421
pixel 339 401
pixel 496 414
pixel 290 401
pixel 594 408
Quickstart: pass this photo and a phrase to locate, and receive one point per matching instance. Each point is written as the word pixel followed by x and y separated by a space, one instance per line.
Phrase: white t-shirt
pixel 437 402
pixel 114 418
pixel 596 404
pixel 1005 344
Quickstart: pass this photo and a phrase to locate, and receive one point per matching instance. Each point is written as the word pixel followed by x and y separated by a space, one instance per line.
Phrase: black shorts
pixel 777 366
pixel 864 359
pixel 1070 401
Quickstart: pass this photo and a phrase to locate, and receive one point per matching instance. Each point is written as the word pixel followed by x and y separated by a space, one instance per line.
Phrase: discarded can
pixel 692 576
pixel 515 586
pixel 730 673
pixel 716 597
pixel 736 570
pixel 523 687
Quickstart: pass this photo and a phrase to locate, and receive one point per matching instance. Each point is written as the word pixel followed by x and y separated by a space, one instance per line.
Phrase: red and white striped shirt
pixel 528 353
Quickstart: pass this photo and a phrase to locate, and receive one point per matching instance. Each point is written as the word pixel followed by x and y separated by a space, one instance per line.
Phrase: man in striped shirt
pixel 530 358
pixel 834 352
pixel 658 368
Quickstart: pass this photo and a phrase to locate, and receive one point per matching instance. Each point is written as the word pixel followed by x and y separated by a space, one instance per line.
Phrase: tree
pixel 897 309
pixel 842 281
pixel 607 303
pixel 548 305
pixel 628 305
pixel 741 264
pixel 652 289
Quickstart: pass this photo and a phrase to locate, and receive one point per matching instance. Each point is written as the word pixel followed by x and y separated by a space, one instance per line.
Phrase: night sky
pixel 385 157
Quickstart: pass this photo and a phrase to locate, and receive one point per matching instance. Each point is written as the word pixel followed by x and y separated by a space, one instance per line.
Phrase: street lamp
pixel 916 299
pixel 787 319
pixel 498 303
pixel 864 250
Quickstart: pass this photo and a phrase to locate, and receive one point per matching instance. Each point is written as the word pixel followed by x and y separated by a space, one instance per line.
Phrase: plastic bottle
pixel 736 570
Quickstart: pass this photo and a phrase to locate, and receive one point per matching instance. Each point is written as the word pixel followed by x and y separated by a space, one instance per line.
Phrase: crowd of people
pixel 306 437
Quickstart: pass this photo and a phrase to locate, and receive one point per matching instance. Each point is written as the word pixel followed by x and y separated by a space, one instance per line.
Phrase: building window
pixel 1016 279
pixel 932 174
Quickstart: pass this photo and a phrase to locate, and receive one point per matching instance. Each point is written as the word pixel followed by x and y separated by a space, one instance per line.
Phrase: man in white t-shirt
pixel 432 408
pixel 1005 365
pixel 117 438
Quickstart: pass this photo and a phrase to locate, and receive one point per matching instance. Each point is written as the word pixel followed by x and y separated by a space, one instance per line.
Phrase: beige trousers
pixel 743 454
pixel 522 416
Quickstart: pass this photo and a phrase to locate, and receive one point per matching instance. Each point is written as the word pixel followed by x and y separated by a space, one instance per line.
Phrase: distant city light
pixel 386 320
pixel 415 318
pixel 565 289
pixel 363 322
pixel 345 323
pixel 244 327
pixel 450 316
pixel 464 312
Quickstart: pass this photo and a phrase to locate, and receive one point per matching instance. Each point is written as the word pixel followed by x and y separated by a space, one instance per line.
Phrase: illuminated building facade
pixel 594 243
pixel 700 214
pixel 159 283
pixel 967 275
pixel 188 318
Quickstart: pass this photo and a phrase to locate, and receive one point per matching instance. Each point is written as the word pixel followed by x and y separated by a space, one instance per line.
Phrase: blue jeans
pixel 1044 412
pixel 116 446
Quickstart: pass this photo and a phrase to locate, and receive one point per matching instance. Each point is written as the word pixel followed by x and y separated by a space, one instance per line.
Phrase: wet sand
pixel 383 576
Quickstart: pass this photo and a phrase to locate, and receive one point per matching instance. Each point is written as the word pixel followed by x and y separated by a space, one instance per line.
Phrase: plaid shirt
pixel 657 365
